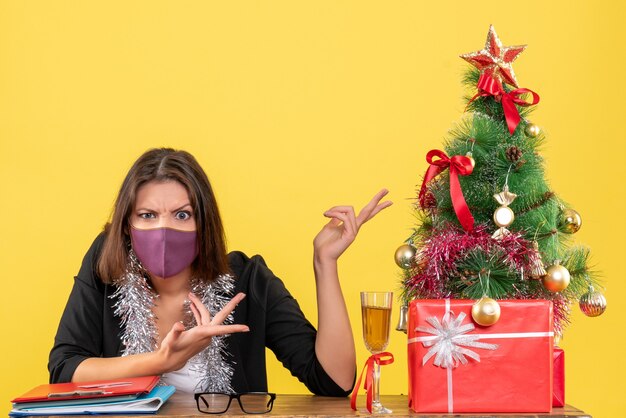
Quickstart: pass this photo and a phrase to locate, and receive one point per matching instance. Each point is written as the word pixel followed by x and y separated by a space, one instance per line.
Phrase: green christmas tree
pixel 490 225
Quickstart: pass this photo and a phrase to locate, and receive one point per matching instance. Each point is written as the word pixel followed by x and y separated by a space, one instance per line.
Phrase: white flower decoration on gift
pixel 449 339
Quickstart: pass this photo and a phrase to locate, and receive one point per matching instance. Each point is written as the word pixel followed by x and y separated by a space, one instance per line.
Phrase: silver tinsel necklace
pixel 135 300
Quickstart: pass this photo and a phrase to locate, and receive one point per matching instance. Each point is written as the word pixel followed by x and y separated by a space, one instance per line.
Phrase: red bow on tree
pixel 489 86
pixel 382 359
pixel 458 164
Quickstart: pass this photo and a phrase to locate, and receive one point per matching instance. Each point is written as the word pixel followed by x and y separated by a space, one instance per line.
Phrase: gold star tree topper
pixel 495 60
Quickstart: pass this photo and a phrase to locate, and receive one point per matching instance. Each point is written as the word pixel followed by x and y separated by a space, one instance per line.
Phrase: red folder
pixel 87 390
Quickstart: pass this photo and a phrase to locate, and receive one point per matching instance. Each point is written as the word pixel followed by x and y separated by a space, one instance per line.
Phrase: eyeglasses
pixel 250 402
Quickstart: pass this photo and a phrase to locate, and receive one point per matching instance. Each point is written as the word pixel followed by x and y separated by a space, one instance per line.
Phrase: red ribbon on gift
pixel 489 86
pixel 382 359
pixel 459 164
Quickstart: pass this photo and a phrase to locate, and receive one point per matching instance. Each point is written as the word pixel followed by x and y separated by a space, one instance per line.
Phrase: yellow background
pixel 291 107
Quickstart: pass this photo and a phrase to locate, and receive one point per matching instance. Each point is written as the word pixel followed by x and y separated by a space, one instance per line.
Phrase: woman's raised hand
pixel 337 235
pixel 179 345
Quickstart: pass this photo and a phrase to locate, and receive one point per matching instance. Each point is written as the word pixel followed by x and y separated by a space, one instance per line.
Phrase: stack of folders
pixel 138 395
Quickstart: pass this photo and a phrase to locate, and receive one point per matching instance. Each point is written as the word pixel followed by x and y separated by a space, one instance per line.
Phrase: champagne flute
pixel 376 315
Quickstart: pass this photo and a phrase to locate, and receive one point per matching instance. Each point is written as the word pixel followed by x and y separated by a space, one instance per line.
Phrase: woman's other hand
pixel 179 345
pixel 343 227
pixel 334 345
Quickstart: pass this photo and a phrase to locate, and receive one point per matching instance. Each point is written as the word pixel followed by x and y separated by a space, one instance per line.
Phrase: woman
pixel 157 294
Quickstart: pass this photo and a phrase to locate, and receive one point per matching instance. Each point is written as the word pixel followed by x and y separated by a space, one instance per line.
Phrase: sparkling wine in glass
pixel 376 315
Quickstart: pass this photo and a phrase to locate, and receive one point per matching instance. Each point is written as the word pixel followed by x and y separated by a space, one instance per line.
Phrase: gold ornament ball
pixel 405 255
pixel 592 303
pixel 556 278
pixel 486 311
pixel 532 130
pixel 503 216
pixel 570 221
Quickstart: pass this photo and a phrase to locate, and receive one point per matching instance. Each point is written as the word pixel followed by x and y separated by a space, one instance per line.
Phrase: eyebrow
pixel 175 210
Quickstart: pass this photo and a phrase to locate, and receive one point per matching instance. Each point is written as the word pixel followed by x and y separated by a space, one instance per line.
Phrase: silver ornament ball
pixel 592 303
pixel 405 255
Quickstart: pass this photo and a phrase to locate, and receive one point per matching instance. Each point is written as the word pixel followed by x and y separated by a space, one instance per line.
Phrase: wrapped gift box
pixel 513 374
pixel 558 388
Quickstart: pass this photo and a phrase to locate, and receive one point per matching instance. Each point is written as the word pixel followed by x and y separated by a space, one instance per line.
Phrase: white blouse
pixel 186 379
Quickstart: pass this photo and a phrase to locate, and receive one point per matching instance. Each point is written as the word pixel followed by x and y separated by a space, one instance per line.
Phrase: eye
pixel 147 215
pixel 182 215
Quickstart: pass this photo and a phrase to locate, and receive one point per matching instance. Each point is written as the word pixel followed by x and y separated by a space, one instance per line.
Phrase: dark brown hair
pixel 166 164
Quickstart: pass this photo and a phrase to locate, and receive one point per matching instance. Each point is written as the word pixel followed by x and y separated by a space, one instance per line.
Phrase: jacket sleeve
pixel 292 337
pixel 79 335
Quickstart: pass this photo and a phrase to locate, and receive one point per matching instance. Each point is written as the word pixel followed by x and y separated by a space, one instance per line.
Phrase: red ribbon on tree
pixel 459 164
pixel 489 86
pixel 382 359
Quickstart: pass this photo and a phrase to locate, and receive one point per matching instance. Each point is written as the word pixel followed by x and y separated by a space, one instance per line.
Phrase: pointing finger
pixel 378 208
pixel 373 207
pixel 196 314
pixel 222 330
pixel 230 306
pixel 205 315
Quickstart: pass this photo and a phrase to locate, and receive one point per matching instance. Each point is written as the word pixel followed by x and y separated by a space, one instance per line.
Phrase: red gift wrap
pixel 558 388
pixel 506 367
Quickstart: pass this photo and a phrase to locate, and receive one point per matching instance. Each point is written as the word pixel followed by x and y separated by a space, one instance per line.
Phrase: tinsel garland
pixel 446 246
pixel 211 363
pixel 135 300
pixel 441 252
